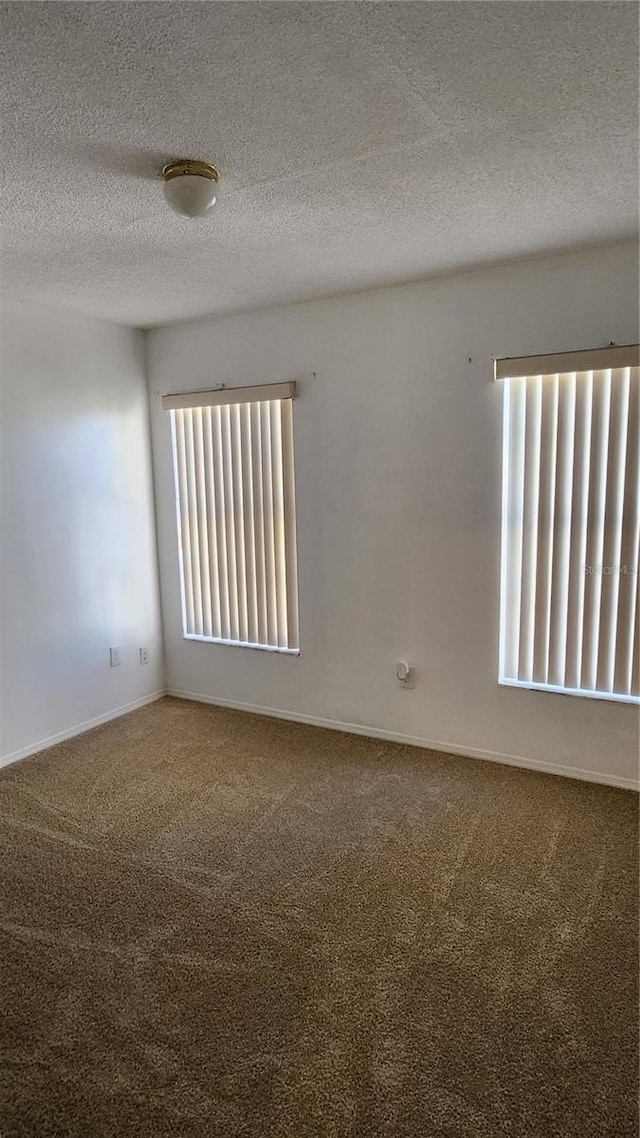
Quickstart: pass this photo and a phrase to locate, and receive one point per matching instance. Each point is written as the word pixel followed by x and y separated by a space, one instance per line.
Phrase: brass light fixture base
pixel 189 166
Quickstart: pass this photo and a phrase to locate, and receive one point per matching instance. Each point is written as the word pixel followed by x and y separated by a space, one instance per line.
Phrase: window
pixel 571 523
pixel 235 505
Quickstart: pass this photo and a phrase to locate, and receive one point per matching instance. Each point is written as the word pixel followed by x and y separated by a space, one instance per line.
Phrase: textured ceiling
pixel 358 144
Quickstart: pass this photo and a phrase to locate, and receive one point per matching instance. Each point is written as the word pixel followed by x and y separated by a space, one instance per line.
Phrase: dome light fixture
pixel 190 187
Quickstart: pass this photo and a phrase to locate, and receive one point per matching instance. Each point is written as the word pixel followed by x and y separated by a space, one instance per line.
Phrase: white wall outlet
pixel 115 657
pixel 404 674
pixel 144 655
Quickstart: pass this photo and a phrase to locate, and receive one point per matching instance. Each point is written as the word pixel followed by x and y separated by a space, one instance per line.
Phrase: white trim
pixel 558 689
pixel 413 740
pixel 240 644
pixel 79 729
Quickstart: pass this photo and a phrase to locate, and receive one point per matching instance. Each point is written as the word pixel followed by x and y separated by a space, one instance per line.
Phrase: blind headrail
pixel 223 396
pixel 591 359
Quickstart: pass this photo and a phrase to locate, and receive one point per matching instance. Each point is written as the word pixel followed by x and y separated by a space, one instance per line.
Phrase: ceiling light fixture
pixel 190 187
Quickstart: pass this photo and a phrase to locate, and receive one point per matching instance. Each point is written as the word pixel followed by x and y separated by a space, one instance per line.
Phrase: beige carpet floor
pixel 220 925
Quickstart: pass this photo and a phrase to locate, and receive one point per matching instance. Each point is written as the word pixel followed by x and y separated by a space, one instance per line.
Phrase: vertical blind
pixel 235 504
pixel 571 531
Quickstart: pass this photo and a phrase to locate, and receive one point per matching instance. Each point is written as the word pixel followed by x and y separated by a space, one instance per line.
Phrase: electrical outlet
pixel 144 655
pixel 115 657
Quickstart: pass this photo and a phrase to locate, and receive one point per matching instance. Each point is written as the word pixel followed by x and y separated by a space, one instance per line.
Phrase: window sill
pixel 242 644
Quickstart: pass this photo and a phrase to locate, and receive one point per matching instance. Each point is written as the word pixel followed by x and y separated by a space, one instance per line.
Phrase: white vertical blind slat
pixel 563 518
pixel 182 508
pixel 290 521
pixel 278 522
pixel 238 512
pixel 617 454
pixel 261 561
pixel 269 535
pixel 627 645
pixel 212 517
pixel 531 500
pixel 579 529
pixel 229 518
pixel 203 521
pixel 595 527
pixel 249 523
pixel 220 508
pixel 545 525
pixel 514 433
pixel 192 501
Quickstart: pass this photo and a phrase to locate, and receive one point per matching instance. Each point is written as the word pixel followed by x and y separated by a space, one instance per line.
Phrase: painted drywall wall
pixel 398 472
pixel 79 563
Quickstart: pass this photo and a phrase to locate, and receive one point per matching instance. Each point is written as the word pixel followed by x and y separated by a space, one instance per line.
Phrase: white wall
pixel 79 566
pixel 398 467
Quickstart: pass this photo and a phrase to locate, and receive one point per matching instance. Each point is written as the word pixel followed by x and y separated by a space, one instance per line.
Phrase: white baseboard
pixel 79 729
pixel 415 741
pixel 332 724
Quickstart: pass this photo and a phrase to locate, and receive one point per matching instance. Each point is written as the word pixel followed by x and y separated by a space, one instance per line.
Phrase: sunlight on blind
pixel 571 533
pixel 235 501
